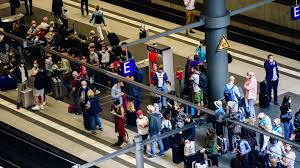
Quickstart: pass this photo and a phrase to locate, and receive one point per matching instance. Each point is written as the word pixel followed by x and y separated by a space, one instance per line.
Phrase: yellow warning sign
pixel 223 44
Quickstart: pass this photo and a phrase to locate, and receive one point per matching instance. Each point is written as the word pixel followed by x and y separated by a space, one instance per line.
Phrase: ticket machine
pixel 161 54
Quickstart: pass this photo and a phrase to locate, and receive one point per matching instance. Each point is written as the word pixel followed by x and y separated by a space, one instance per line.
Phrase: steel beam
pixel 252 6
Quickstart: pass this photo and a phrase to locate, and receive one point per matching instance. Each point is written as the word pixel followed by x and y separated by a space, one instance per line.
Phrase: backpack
pixel 99 19
pixel 203 81
pixel 139 75
pixel 15 3
pixel 160 79
pixel 229 93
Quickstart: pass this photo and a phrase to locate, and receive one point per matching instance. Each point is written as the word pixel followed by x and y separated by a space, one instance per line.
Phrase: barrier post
pixel 139 155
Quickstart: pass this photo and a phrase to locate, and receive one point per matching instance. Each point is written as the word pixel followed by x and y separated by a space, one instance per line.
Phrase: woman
pixel 119 114
pixel 211 146
pixel 286 117
pixel 250 88
pixel 93 108
pixel 189 135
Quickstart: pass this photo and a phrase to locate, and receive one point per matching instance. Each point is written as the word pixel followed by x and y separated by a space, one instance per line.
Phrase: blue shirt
pixel 220 111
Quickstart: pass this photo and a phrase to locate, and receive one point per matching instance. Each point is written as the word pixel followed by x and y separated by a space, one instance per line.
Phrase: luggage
pixel 131 118
pixel 189 148
pixel 57 86
pixel 112 38
pixel 143 31
pixel 178 153
pixel 7 83
pixel 263 87
pixel 190 110
pixel 264 101
pixel 223 144
pixel 73 109
pixel 190 161
pixel 27 98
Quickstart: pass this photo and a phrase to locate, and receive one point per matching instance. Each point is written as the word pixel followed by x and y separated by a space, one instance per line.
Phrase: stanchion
pixel 139 156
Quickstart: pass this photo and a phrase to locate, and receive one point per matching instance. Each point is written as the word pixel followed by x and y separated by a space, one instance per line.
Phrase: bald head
pixel 83 83
pixel 231 79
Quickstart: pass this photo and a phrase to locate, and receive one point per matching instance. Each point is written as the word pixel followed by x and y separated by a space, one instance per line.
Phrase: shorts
pixel 197 97
pixel 38 92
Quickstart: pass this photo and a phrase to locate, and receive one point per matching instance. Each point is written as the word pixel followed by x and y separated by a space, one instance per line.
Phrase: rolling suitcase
pixel 73 109
pixel 178 153
pixel 27 98
pixel 264 101
pixel 57 86
pixel 198 157
pixel 223 144
pixel 113 39
pixel 143 31
pixel 263 87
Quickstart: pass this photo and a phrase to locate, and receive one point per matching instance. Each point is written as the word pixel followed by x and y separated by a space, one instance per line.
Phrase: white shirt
pixel 189 4
pixel 141 130
pixel 105 57
pixel 24 78
pixel 291 157
pixel 195 79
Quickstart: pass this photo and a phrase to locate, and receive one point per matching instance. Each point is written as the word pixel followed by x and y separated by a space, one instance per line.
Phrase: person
pixel 98 20
pixel 93 108
pixel 250 136
pixel 142 124
pixel 210 146
pixel 190 13
pixel 117 93
pixel 288 161
pixel 297 126
pixel 264 122
pixel 125 53
pixel 286 117
pixel 32 30
pixel 105 57
pixel 220 113
pixel 28 11
pixel 83 98
pixel 272 77
pixel 250 88
pixel 201 51
pixel 231 91
pixel 14 4
pixel 57 6
pixel 119 115
pixel 86 3
pixel 21 77
pixel 274 150
pixel 277 126
pixel 38 87
pixel 93 58
pixel 189 134
pixel 197 91
pixel 242 149
pixel 166 126
pixel 160 79
pixel 274 163
pixel 155 130
pixel 75 90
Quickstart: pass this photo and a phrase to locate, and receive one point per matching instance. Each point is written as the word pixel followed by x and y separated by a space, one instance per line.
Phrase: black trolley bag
pixel 264 100
pixel 198 157
pixel 113 39
pixel 178 150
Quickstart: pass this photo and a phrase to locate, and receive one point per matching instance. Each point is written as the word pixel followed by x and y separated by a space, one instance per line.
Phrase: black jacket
pixel 18 75
pixel 57 7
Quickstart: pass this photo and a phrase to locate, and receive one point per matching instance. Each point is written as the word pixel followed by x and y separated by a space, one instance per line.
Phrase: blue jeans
pixel 288 129
pixel 251 108
pixel 160 146
pixel 94 121
pixel 163 100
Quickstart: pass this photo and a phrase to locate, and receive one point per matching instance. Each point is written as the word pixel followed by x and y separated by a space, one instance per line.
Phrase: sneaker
pixel 93 132
pixel 161 155
pixel 101 129
pixel 44 103
pixel 42 107
pixel 124 144
pixel 152 156
pixel 191 31
pixel 36 108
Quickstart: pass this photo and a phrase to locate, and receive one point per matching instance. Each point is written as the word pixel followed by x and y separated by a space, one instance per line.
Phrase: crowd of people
pixel 164 114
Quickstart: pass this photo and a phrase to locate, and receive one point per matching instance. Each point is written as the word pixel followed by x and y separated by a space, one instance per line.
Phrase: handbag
pixel 189 148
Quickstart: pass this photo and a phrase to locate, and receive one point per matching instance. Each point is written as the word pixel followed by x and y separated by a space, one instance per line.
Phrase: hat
pixel 261 115
pixel 277 121
pixel 151 108
pixel 139 113
pixel 218 104
pixel 92 45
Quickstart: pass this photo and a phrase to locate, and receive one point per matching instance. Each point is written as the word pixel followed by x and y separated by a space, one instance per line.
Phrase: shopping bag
pixel 189 148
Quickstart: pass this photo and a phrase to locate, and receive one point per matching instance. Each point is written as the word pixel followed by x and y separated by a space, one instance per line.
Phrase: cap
pixel 139 113
pixel 218 104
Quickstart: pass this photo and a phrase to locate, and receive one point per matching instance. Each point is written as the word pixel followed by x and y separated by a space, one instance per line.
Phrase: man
pixel 86 3
pixel 231 92
pixel 289 160
pixel 242 149
pixel 250 87
pixel 116 92
pixel 14 4
pixel 125 52
pixel 264 122
pixel 155 130
pixel 94 58
pixel 142 124
pixel 21 76
pixel 189 7
pixel 28 12
pixel 83 98
pixel 98 20
pixel 39 85
pixel 272 77
pixel 197 91
pixel 57 11
pixel 160 79
pixel 32 30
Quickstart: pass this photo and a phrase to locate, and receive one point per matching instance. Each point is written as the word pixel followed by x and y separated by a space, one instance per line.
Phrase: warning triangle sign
pixel 223 44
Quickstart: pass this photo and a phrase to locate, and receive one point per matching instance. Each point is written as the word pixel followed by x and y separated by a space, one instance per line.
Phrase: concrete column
pixel 216 21
pixel 139 154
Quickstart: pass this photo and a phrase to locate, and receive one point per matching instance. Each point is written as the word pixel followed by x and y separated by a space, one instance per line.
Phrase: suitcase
pixel 191 160
pixel 223 144
pixel 178 153
pixel 73 109
pixel 263 87
pixel 57 86
pixel 143 31
pixel 264 101
pixel 27 98
pixel 7 83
